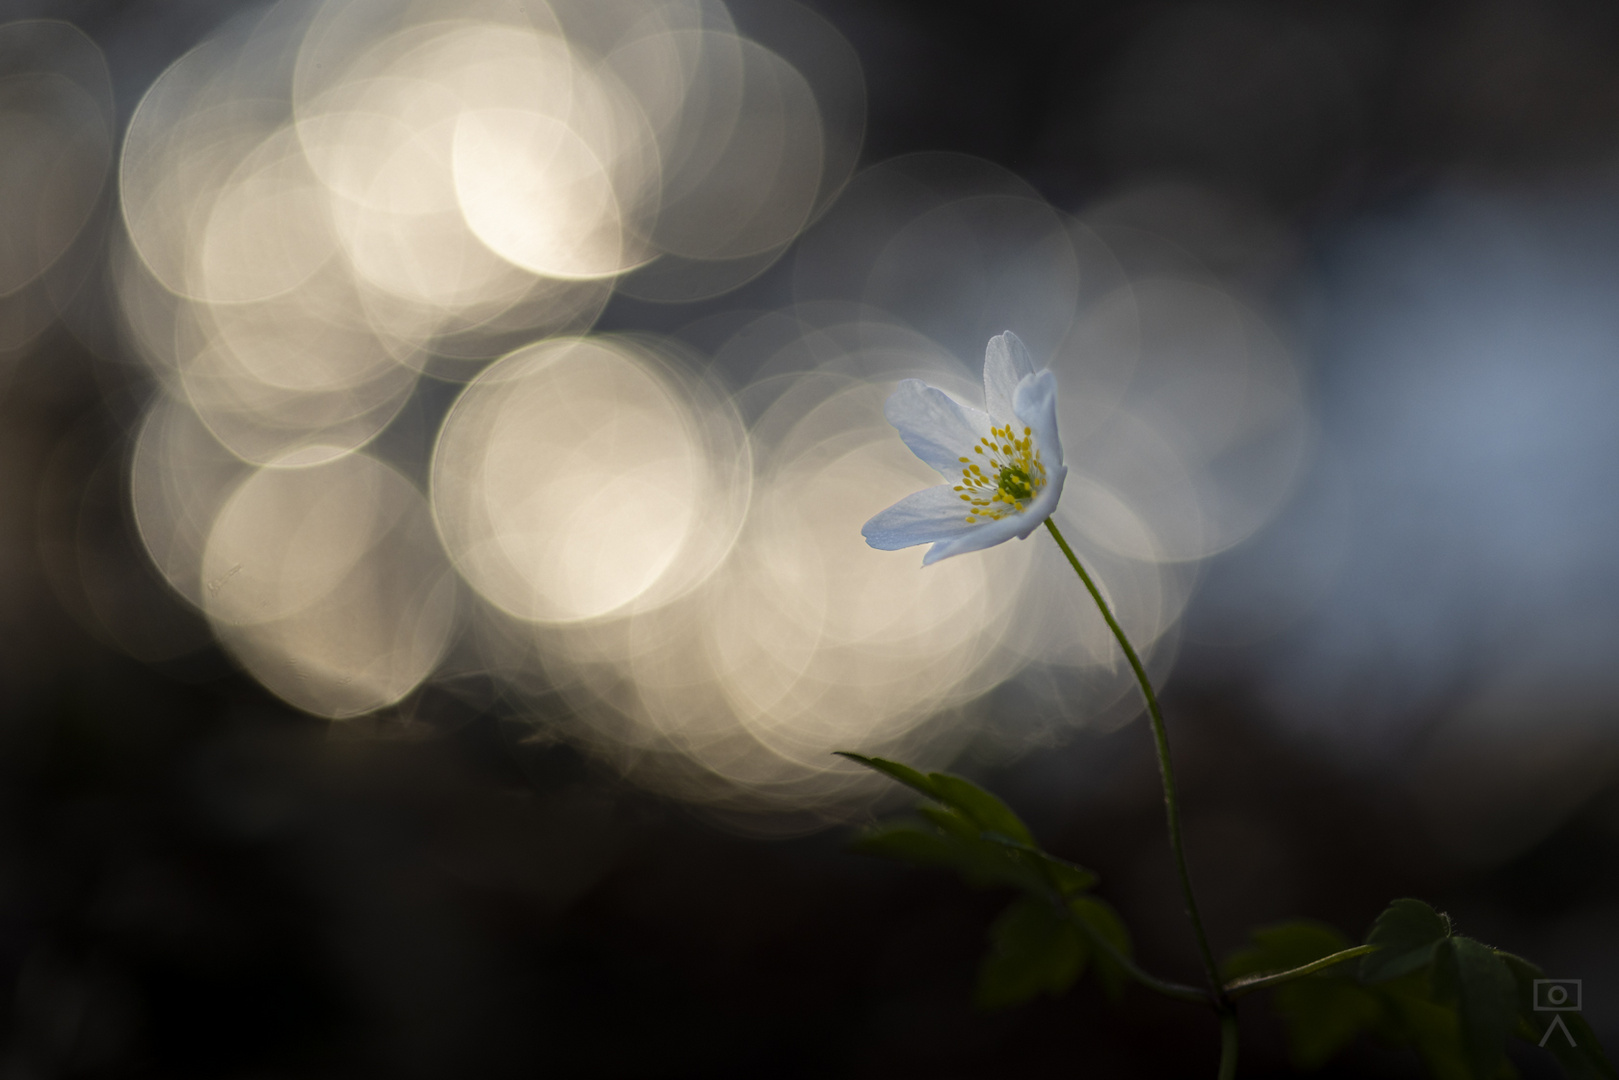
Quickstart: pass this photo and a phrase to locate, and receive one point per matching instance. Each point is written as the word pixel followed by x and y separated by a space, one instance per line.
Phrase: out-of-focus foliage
pixel 1452 999
pixel 1047 937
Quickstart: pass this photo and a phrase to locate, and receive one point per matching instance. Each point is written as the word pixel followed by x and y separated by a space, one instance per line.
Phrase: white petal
pixel 1035 405
pixel 923 517
pixel 938 430
pixel 980 537
pixel 1006 364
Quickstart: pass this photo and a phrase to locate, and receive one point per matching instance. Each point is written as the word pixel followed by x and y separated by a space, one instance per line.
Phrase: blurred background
pixel 433 444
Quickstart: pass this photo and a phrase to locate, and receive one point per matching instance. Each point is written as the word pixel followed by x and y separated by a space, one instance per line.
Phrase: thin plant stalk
pixel 1228 1044
pixel 1172 810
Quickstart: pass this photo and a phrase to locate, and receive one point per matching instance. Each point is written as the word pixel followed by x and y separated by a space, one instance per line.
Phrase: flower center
pixel 1013 462
pixel 1015 482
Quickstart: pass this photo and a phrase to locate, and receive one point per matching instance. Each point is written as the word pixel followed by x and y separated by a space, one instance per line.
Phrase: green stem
pixel 1228 1042
pixel 1166 773
pixel 1130 968
pixel 1238 987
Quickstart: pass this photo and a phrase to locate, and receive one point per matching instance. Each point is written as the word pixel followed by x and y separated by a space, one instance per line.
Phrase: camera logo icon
pixel 1557 995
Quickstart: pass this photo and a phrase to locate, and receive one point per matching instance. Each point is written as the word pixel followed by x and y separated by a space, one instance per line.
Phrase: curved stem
pixel 1247 983
pixel 1130 968
pixel 1228 1043
pixel 1165 772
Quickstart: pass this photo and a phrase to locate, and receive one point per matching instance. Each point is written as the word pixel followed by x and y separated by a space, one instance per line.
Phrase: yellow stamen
pixel 1018 475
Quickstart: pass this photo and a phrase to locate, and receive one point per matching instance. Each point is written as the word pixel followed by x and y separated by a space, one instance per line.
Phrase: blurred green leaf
pixel 1288 945
pixel 1323 1012
pixel 1470 975
pixel 982 862
pixel 950 821
pixel 975 804
pixel 1036 947
pixel 972 817
pixel 1066 877
pixel 1413 1018
pixel 980 807
pixel 1069 878
pixel 1407 933
pixel 1323 1015
pixel 1450 1024
pixel 1524 975
pixel 895 771
pixel 1033 950
pixel 1098 915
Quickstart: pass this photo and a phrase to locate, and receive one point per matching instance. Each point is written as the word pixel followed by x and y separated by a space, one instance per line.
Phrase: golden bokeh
pixel 365 251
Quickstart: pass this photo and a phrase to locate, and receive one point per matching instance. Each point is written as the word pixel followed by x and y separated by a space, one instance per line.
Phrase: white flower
pixel 1003 468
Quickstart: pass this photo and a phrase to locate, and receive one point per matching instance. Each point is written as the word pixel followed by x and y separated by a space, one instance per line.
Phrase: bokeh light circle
pixel 571 480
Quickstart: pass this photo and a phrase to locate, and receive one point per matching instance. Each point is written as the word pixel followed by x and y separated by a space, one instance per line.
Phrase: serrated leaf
pixel 895 771
pixel 1098 915
pixel 1407 933
pixel 1323 1012
pixel 1469 974
pixel 1033 950
pixel 980 807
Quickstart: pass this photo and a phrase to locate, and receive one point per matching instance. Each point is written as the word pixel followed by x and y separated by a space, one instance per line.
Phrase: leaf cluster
pixel 1452 999
pixel 1418 984
pixel 1046 938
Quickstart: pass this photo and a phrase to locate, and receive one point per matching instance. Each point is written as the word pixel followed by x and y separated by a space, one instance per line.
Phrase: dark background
pixel 197 881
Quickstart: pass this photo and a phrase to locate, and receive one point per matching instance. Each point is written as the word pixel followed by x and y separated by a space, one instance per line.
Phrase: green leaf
pixel 1584 1060
pixel 1413 1018
pixel 1066 877
pixel 1407 933
pixel 1100 918
pixel 980 807
pixel 1069 878
pixel 982 862
pixel 975 804
pixel 969 813
pixel 949 821
pixel 1323 1012
pixel 1455 1014
pixel 895 771
pixel 1479 983
pixel 1033 950
pixel 1323 1015
pixel 1524 975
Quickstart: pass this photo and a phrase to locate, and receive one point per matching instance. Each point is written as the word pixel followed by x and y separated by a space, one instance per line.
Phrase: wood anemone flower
pixel 1002 467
